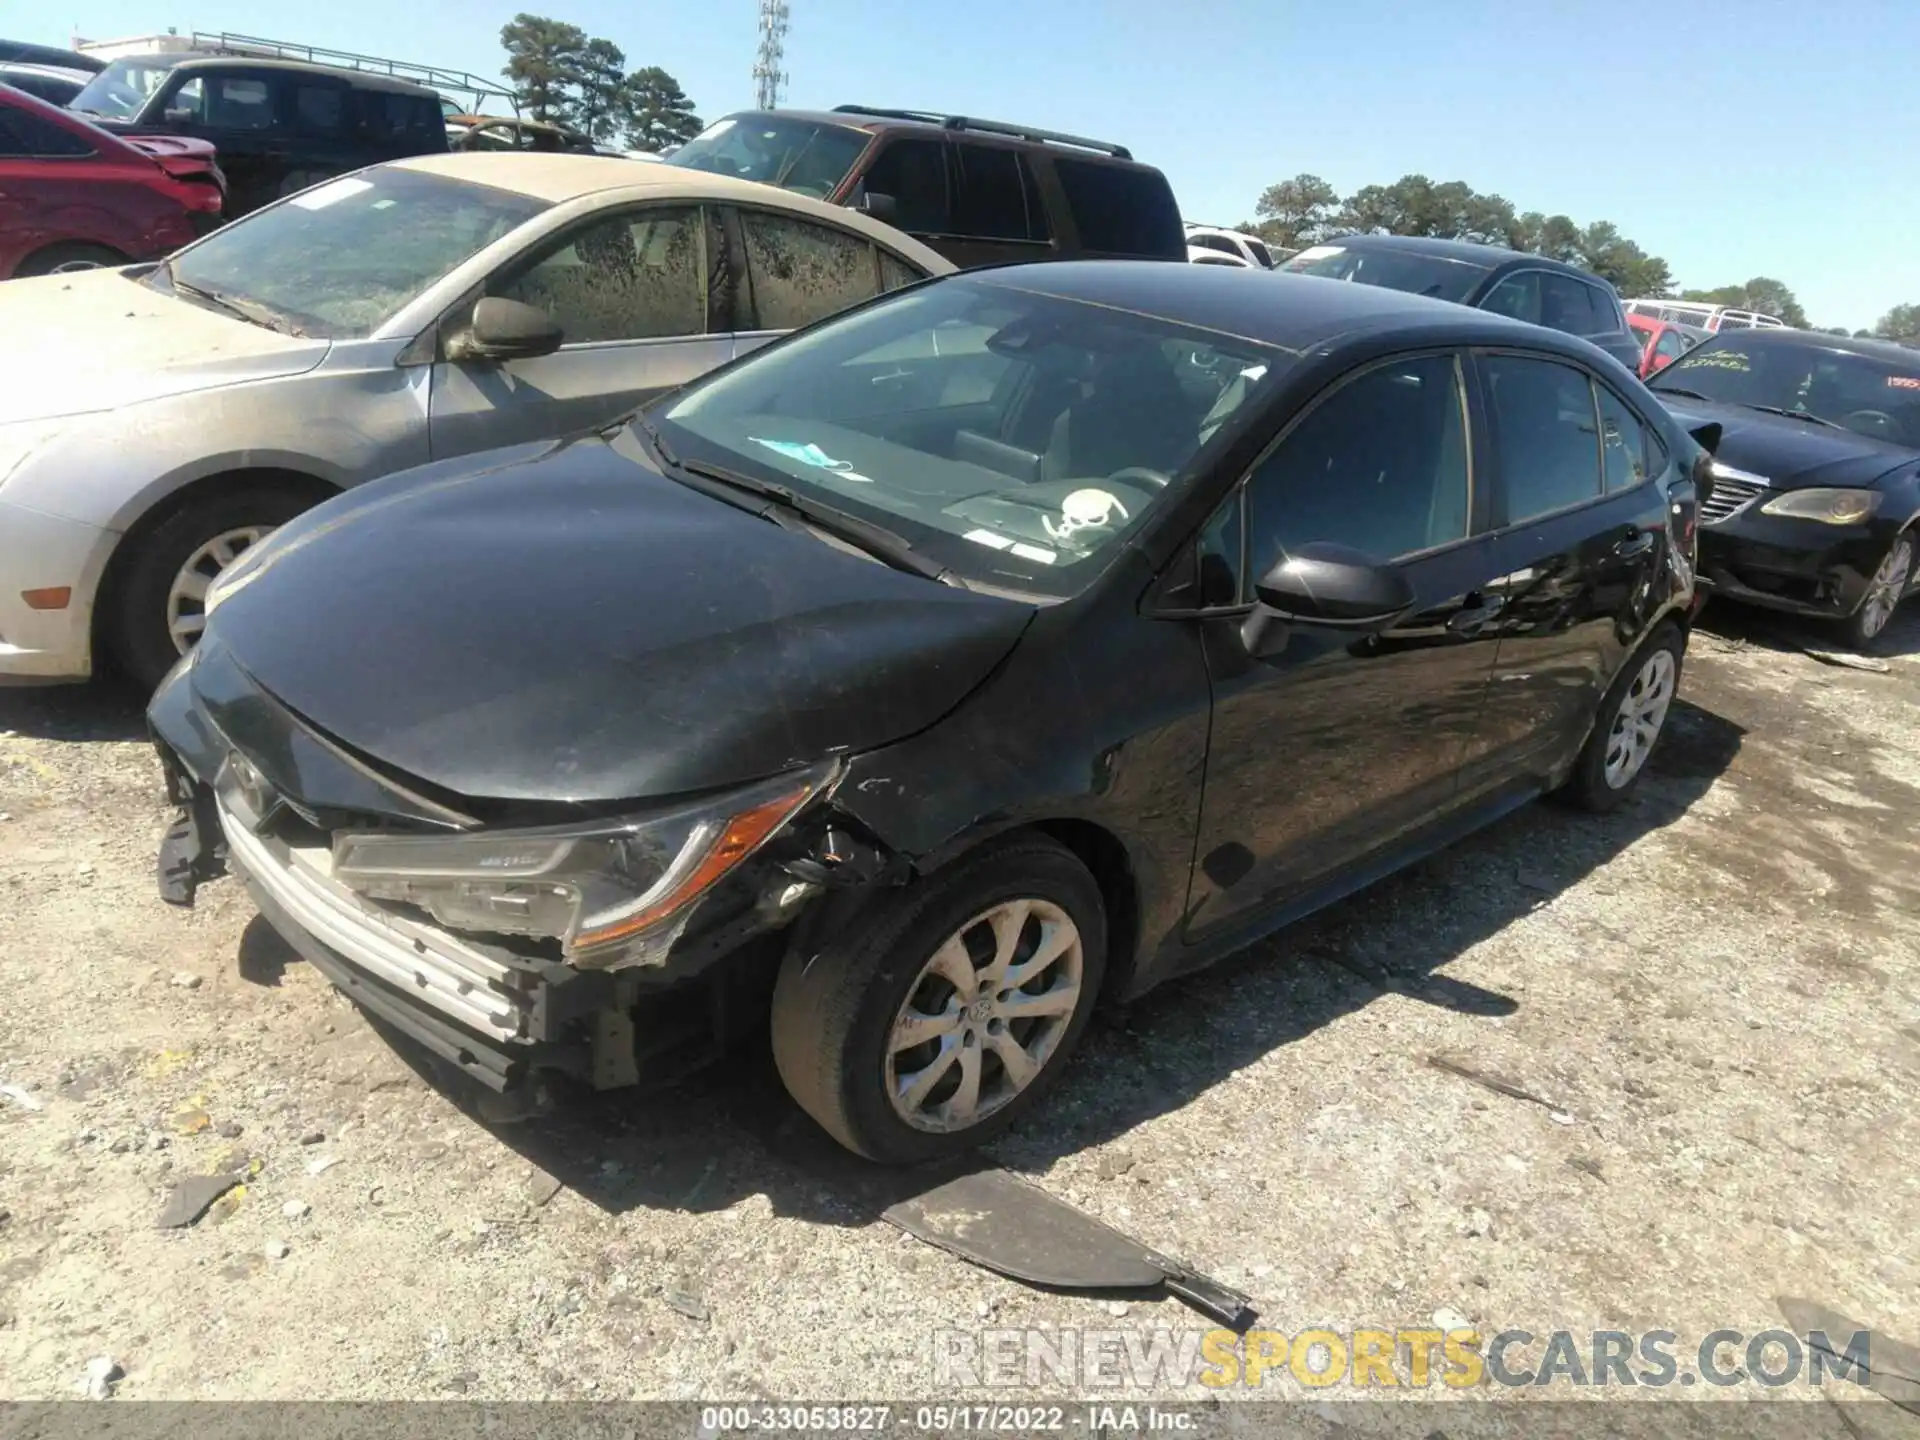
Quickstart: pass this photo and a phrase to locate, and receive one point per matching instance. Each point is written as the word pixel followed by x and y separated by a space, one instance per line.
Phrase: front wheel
pixel 66 259
pixel 945 1013
pixel 1885 591
pixel 160 605
pixel 1632 718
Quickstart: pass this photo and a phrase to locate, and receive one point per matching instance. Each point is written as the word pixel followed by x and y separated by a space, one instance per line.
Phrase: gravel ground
pixel 1717 991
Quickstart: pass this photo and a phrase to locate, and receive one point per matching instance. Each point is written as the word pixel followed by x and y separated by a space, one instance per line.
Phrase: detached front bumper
pixel 46 639
pixel 1799 566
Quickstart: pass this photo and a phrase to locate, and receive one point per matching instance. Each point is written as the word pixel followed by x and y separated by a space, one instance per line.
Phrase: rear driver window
pixel 802 272
pixel 1119 209
pixel 1545 433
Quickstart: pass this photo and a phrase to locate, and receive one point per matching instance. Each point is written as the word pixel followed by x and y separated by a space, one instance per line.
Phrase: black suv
pixel 278 125
pixel 978 191
pixel 1488 277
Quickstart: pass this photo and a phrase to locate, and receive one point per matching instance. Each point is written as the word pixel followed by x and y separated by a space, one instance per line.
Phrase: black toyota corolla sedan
pixel 1019 639
pixel 1817 485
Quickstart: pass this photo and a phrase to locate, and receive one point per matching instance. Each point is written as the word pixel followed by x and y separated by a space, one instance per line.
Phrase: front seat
pixel 1133 413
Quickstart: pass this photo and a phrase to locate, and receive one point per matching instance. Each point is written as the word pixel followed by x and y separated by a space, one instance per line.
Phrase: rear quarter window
pixel 1122 210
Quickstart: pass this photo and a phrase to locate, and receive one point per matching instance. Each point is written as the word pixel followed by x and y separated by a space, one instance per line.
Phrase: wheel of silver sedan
pixel 187 597
pixel 1636 724
pixel 1885 590
pixel 985 1016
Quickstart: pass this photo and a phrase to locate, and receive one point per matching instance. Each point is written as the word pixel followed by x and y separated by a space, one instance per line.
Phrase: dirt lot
pixel 1717 990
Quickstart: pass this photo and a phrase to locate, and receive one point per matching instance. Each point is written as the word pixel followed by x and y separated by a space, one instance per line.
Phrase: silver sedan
pixel 156 421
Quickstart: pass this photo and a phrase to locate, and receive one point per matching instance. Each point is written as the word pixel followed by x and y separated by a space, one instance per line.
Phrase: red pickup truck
pixel 73 197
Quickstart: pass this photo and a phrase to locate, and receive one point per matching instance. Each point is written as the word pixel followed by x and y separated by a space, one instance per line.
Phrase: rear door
pixel 641 306
pixel 913 172
pixel 1581 520
pixel 319 121
pixel 1340 745
pixel 795 270
pixel 998 215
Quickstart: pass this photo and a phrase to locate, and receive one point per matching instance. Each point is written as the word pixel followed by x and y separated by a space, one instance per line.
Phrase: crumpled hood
pixel 97 340
pixel 563 623
pixel 1791 453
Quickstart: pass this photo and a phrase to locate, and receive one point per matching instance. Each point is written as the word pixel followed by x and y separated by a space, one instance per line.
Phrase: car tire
pixel 58 259
pixel 1634 716
pixel 1867 627
pixel 840 1010
pixel 140 621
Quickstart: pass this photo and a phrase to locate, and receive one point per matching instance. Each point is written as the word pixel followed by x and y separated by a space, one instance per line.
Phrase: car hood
pixel 564 623
pixel 98 340
pixel 1793 454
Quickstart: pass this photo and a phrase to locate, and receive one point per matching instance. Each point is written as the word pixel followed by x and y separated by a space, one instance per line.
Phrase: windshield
pixel 798 155
pixel 1432 275
pixel 121 89
pixel 1866 394
pixel 341 259
pixel 1015 439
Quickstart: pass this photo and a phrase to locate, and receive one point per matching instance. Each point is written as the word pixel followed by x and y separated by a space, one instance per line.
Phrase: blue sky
pixel 1733 137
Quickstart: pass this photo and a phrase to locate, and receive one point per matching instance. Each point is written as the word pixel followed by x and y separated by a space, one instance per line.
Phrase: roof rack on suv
pixel 435 77
pixel 990 127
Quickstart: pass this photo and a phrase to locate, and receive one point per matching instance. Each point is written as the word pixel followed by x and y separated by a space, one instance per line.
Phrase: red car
pixel 1661 341
pixel 73 197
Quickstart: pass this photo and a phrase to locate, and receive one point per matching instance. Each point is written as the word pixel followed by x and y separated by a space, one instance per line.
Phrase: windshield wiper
pixel 1684 394
pixel 1792 414
pixel 876 540
pixel 250 311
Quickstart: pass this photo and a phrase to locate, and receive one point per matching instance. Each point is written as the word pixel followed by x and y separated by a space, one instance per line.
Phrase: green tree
pixel 657 112
pixel 1295 213
pixel 1770 297
pixel 602 82
pixel 544 63
pixel 1901 323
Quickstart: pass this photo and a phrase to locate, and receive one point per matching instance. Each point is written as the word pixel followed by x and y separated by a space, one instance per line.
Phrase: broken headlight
pixel 612 892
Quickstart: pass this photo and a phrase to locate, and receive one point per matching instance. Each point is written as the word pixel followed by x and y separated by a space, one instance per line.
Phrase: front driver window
pixel 1517 296
pixel 1380 466
pixel 635 276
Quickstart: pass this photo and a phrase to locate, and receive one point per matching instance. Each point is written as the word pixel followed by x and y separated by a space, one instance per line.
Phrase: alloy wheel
pixel 1885 590
pixel 985 1015
pixel 70 267
pixel 187 596
pixel 1636 724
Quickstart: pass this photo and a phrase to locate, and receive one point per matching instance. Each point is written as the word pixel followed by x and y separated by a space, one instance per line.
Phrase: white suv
pixel 1249 249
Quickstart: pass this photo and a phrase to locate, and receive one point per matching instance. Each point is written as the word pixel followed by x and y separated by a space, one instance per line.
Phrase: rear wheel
pixel 160 605
pixel 1885 591
pixel 62 259
pixel 949 1010
pixel 1632 718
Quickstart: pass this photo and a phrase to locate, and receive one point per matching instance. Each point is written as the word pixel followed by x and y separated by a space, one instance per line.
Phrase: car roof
pixel 56 72
pixel 360 79
pixel 873 124
pixel 1473 253
pixel 1289 312
pixel 559 177
pixel 1888 350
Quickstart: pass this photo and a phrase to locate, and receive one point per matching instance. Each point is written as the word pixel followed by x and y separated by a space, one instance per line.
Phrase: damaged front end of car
pixel 621 945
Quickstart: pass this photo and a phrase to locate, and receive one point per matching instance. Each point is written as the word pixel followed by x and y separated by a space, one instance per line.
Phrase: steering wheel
pixel 1879 418
pixel 1140 475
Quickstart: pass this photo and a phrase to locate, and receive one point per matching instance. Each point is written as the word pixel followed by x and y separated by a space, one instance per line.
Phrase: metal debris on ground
pixel 1498 1086
pixel 1850 661
pixel 998 1221
pixel 103 1373
pixel 191 1198
pixel 687 1303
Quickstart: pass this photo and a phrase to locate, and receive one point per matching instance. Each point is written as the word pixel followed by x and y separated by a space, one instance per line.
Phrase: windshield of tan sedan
pixel 1869 395
pixel 1015 438
pixel 121 89
pixel 1391 269
pixel 797 155
pixel 340 260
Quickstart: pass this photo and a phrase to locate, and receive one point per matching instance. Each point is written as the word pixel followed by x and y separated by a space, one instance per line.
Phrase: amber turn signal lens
pixel 741 837
pixel 54 597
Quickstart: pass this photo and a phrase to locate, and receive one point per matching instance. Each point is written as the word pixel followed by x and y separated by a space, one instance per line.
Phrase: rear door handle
pixel 1638 543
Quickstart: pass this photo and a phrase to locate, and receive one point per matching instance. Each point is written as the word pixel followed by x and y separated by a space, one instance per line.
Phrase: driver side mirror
pixel 1326 585
pixel 507 330
pixel 877 207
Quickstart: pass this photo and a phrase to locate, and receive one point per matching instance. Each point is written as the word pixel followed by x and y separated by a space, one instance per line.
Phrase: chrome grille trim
pixel 428 964
pixel 1728 499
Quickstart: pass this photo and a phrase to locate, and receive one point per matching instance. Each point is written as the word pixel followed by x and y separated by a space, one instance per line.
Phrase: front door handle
pixel 1638 543
pixel 1478 612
